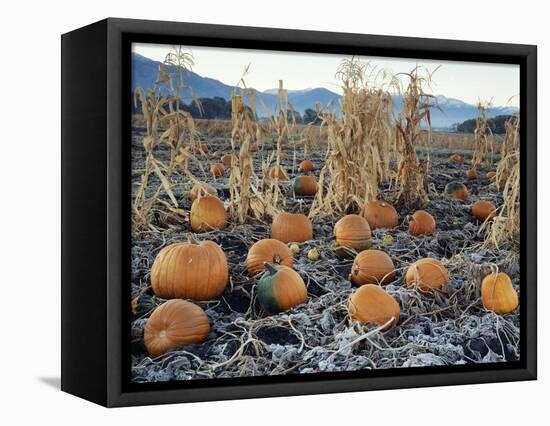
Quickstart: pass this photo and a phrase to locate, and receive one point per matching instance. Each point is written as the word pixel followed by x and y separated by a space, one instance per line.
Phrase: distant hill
pixel 452 111
pixel 144 74
pixel 497 124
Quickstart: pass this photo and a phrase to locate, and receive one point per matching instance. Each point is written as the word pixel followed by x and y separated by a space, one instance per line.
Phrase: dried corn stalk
pixel 359 143
pixel 279 126
pixel 510 145
pixel 411 174
pixel 505 226
pixel 165 124
pixel 483 138
pixel 242 180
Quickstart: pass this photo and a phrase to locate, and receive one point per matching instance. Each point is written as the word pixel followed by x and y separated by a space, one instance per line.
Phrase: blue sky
pixel 467 81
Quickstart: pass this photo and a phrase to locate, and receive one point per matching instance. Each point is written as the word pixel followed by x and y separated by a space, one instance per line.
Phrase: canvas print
pixel 300 213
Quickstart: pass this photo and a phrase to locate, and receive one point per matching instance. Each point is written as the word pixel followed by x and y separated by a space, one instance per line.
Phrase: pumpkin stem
pixel 270 268
pixel 277 259
pixel 191 239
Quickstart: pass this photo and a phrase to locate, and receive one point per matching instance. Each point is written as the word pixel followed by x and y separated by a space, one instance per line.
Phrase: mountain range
pixel 145 71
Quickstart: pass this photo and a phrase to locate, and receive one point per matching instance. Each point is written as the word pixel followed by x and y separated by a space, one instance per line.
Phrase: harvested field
pixel 447 327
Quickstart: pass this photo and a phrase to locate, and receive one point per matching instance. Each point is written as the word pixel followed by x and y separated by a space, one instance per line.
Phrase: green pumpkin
pixel 304 185
pixel 280 288
pixel 457 190
pixel 142 304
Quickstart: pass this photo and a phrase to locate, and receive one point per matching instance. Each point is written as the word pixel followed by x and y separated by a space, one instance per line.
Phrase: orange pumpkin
pixel 421 223
pixel 190 271
pixel 278 172
pixel 482 210
pixel 228 159
pixel 380 214
pixel 498 294
pixel 372 267
pixel 217 169
pixel 307 166
pixel 175 323
pixel 208 213
pixel 305 185
pixel 201 189
pixel 427 274
pixel 371 304
pixel 353 231
pixel 490 175
pixel 280 289
pixel 455 158
pixel 270 251
pixel 471 174
pixel 288 227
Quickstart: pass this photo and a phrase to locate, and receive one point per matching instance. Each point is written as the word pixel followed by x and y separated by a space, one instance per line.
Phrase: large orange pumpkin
pixel 280 289
pixel 482 210
pixel 288 227
pixel 307 166
pixel 427 274
pixel 270 251
pixel 353 231
pixel 380 214
pixel 372 267
pixel 217 170
pixel 228 159
pixel 201 189
pixel 208 213
pixel 278 172
pixel 421 223
pixel 371 304
pixel 305 185
pixel 190 271
pixel 175 323
pixel 498 294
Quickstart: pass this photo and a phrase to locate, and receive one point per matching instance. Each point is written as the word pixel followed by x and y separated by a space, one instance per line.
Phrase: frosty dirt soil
pixel 447 328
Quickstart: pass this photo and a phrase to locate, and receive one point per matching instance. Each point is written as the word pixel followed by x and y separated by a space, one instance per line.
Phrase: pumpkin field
pixel 368 241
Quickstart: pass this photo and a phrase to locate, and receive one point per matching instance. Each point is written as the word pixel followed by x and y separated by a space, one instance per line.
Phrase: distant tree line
pixel 496 124
pixel 220 109
pixel 311 117
pixel 210 108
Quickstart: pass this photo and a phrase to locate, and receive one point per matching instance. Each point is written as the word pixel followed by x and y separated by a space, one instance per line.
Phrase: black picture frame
pixel 95 210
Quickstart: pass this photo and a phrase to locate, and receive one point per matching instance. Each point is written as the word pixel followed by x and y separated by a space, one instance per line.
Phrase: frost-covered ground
pixel 448 328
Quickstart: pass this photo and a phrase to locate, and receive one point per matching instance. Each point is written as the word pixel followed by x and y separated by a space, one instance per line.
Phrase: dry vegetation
pixel 504 229
pixel 411 174
pixel 483 138
pixel 359 144
pixel 243 182
pixel 363 154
